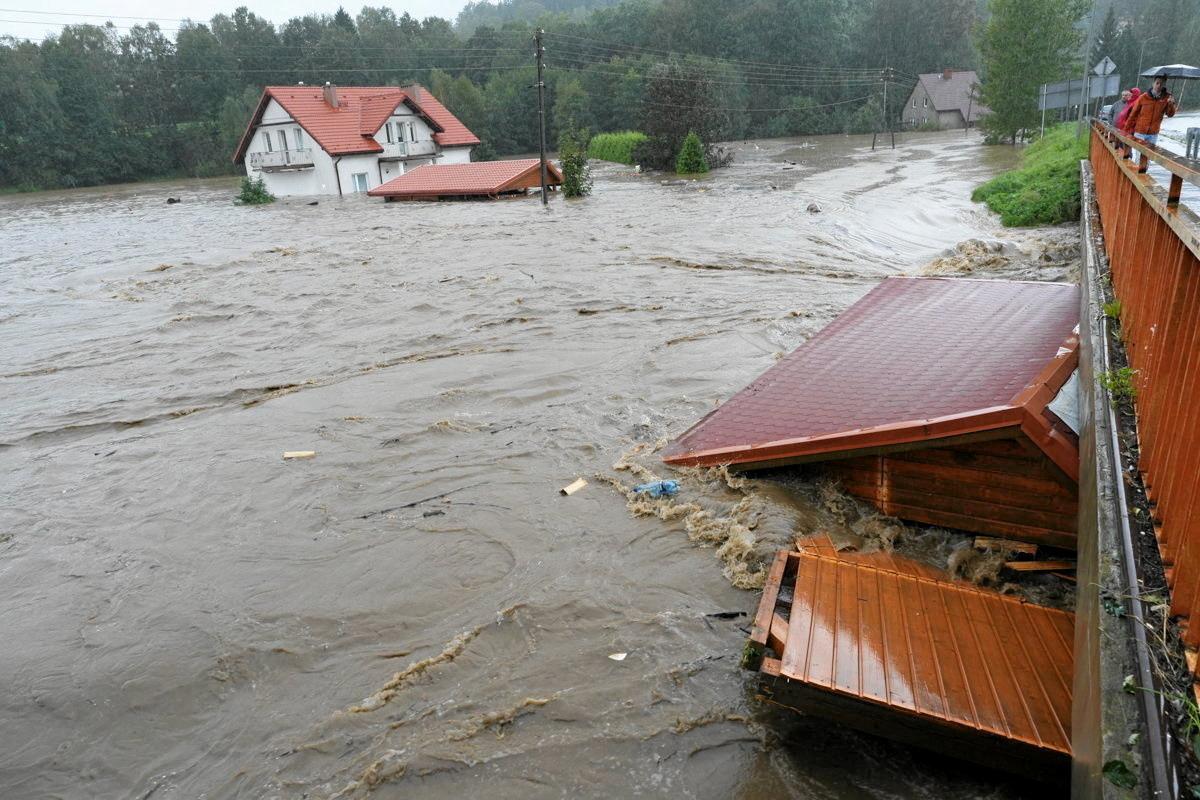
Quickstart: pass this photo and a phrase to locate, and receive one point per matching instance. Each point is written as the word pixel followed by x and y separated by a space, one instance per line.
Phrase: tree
pixel 572 155
pixel 570 106
pixel 679 101
pixel 691 159
pixel 1025 43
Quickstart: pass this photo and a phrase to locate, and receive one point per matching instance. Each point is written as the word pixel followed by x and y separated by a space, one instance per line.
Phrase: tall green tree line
pixel 96 104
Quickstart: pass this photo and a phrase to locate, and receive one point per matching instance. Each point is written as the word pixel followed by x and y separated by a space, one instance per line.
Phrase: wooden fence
pixel 1153 248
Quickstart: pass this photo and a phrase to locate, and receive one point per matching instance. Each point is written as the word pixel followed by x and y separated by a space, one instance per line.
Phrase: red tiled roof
pixel 456 180
pixel 351 127
pixel 915 359
pixel 453 133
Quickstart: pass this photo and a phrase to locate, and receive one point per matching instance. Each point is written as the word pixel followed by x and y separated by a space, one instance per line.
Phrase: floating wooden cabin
pixel 889 646
pixel 930 398
pixel 473 181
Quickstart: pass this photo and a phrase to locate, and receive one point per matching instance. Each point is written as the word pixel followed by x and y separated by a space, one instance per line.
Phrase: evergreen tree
pixel 691 159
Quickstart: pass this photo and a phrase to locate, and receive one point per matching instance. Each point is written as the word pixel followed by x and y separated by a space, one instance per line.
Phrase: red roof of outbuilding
pixel 457 180
pixel 915 359
pixel 351 127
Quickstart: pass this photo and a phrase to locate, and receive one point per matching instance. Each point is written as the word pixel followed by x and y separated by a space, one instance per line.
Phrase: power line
pixel 594 44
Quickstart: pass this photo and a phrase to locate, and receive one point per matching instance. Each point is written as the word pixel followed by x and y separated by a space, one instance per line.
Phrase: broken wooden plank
pixel 993 543
pixel 1040 566
pixel 288 455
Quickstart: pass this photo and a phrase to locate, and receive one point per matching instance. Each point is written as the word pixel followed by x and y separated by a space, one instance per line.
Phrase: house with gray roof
pixel 949 98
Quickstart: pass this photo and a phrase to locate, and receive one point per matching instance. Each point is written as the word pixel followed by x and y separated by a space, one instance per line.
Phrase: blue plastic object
pixel 658 488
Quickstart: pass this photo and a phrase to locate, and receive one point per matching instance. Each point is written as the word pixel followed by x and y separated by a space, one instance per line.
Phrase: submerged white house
pixel 329 140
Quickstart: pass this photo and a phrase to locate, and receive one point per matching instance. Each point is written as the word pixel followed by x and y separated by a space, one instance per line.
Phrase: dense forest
pixel 113 102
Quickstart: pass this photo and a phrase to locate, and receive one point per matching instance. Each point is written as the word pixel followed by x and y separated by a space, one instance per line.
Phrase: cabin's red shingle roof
pixel 458 180
pixel 915 359
pixel 351 127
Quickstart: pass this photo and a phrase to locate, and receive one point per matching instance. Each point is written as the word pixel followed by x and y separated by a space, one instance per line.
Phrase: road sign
pixel 1068 93
pixel 1105 67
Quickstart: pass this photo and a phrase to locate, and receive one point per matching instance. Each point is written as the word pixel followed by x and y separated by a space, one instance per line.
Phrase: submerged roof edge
pixel 984 419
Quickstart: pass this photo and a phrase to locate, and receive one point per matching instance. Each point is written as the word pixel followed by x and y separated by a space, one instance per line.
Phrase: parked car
pixel 1106 115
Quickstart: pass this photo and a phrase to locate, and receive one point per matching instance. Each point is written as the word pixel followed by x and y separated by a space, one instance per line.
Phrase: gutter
pixel 337 174
pixel 1159 766
pixel 1112 720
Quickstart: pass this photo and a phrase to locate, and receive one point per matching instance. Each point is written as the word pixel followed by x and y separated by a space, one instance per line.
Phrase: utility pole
pixel 541 87
pixel 885 75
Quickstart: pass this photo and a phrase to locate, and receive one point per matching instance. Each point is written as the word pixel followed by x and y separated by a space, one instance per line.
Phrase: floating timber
pixel 935 399
pixel 893 647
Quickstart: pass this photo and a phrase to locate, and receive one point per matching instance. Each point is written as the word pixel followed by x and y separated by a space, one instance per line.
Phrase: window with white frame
pixel 298 134
pixel 412 131
pixel 360 181
pixel 925 102
pixel 267 140
pixel 282 139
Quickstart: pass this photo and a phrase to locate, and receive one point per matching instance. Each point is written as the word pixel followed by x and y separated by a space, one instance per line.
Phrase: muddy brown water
pixel 417 612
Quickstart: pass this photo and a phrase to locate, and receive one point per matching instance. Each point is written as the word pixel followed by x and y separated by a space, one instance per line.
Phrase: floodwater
pixel 416 611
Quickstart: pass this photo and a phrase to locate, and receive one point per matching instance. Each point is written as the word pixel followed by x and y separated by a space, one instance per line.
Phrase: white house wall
pixel 455 155
pixel 328 173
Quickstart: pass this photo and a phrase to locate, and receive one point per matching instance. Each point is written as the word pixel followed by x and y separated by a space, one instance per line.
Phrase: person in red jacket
pixel 1128 98
pixel 1148 111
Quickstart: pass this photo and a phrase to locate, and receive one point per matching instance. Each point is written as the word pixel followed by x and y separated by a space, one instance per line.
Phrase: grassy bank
pixel 1045 190
pixel 617 147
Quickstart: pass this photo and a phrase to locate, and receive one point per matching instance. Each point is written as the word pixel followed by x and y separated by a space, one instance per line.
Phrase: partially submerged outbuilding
pixel 473 181
pixel 930 398
pixel 941 401
pixel 893 647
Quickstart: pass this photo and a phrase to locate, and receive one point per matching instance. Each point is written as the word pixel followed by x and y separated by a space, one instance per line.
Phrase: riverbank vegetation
pixel 615 147
pixel 1045 189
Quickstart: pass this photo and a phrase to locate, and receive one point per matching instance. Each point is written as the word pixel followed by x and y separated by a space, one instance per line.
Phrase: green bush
pixel 253 193
pixel 573 157
pixel 615 147
pixel 690 160
pixel 1045 190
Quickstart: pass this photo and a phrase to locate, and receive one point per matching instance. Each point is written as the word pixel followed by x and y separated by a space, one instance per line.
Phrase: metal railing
pixel 1153 248
pixel 282 159
pixel 394 150
pixel 408 149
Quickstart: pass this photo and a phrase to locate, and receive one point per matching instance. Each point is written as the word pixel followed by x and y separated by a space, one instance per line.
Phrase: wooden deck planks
pixel 880 629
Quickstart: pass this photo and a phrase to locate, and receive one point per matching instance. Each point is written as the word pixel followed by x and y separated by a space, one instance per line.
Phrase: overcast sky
pixel 18 17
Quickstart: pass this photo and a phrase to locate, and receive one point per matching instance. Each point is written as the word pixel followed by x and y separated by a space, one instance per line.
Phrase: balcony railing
pixel 281 160
pixel 400 150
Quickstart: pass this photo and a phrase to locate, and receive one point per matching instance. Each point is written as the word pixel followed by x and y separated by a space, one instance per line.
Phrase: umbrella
pixel 1173 71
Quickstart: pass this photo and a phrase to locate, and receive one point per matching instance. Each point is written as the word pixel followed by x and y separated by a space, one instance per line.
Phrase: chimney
pixel 330 93
pixel 947 74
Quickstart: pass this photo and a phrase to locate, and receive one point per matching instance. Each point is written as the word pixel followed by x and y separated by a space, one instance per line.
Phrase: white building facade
pixel 315 140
